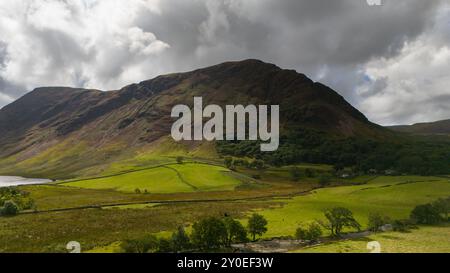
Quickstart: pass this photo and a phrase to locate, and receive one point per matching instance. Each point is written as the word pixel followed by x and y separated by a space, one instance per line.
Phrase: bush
pixel 257 164
pixel 256 176
pixel 165 246
pixel 376 222
pixel 20 198
pixel 180 159
pixel 402 225
pixel 144 245
pixel 311 233
pixel 10 209
pixel 228 161
pixel 257 225
pixel 309 172
pixel 324 180
pixel 295 173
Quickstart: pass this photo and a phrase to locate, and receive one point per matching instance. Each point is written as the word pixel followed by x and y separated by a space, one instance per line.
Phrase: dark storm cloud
pixel 310 36
pixel 107 44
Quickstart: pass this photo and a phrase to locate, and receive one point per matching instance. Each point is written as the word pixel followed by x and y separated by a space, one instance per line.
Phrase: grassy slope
pixel 99 227
pixel 390 196
pixel 207 177
pixel 167 179
pixel 50 232
pixel 73 158
pixel 422 240
pixel 158 180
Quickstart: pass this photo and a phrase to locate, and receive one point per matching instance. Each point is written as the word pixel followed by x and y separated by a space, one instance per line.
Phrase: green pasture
pixel 188 177
pixel 391 196
pixel 422 240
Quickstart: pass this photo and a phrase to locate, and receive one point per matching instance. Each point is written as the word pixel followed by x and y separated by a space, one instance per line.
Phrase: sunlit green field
pixel 119 213
pixel 188 177
pixel 422 240
pixel 391 196
pixel 207 177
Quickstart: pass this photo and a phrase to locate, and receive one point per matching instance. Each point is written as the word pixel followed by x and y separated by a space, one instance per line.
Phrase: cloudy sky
pixel 392 61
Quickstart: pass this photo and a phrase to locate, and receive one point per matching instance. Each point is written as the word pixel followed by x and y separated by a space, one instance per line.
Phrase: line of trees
pixel 215 233
pixel 406 155
pixel 208 233
pixel 232 163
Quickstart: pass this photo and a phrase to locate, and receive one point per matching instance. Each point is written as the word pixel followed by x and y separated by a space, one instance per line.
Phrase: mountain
pixel 61 131
pixel 441 127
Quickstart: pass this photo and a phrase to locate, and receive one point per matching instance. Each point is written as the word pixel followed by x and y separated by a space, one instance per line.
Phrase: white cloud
pixel 75 43
pixel 416 81
pixel 145 43
pixel 4 99
pixel 388 61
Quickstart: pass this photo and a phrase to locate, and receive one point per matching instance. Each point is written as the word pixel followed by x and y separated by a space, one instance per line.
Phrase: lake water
pixel 8 181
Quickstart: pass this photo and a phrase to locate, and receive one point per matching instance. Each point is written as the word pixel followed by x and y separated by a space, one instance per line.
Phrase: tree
pixel 402 225
pixel 235 231
pixel 228 161
pixel 311 233
pixel 10 208
pixel 165 245
pixel 180 240
pixel 180 159
pixel 309 172
pixel 426 214
pixel 338 219
pixel 442 206
pixel 257 225
pixel 338 167
pixel 324 180
pixel 295 173
pixel 209 233
pixel 144 245
pixel 259 164
pixel 376 222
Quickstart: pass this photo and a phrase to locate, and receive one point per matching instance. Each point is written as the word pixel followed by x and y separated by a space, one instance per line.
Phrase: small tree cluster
pixel 13 200
pixel 9 209
pixel 179 241
pixel 208 233
pixel 311 233
pixel 231 163
pixel 432 213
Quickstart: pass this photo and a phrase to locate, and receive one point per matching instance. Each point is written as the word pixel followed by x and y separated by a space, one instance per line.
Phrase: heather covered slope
pixel 62 132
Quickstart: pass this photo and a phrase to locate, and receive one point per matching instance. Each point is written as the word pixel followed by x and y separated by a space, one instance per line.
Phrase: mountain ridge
pixel 51 119
pixel 440 127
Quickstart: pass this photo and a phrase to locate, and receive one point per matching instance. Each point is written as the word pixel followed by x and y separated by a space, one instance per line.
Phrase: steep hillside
pixel 60 131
